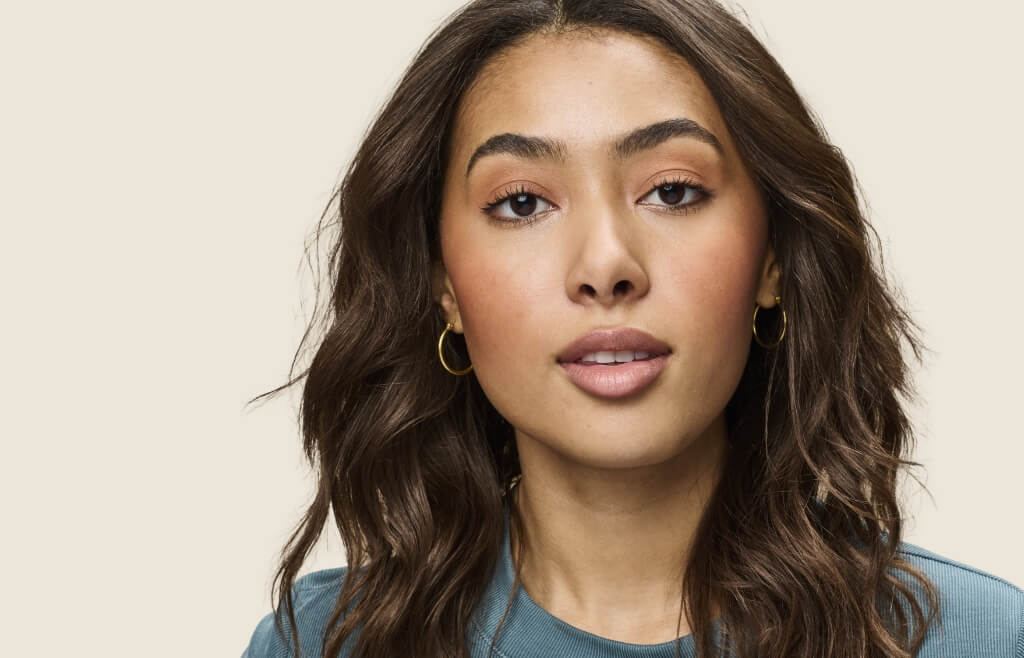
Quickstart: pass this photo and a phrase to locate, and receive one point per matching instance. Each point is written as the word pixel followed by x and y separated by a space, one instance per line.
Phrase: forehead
pixel 585 88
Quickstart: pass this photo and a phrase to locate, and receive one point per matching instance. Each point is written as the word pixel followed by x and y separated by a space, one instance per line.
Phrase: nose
pixel 607 265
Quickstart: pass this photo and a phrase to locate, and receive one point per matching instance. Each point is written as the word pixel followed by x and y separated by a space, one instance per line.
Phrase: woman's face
pixel 602 229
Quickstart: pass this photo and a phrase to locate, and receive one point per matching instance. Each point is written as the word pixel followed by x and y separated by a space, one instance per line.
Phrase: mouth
pixel 614 363
pixel 613 346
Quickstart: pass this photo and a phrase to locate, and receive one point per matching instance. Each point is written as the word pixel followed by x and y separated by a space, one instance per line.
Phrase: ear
pixel 444 294
pixel 768 284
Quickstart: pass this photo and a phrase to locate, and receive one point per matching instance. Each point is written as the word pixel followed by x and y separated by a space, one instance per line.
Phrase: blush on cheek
pixel 488 310
pixel 718 283
pixel 504 300
pixel 715 327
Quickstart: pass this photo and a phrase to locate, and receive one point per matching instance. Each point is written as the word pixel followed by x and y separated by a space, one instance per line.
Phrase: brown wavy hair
pixel 797 547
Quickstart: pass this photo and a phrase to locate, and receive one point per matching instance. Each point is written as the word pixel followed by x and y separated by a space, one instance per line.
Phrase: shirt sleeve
pixel 1019 651
pixel 314 596
pixel 265 641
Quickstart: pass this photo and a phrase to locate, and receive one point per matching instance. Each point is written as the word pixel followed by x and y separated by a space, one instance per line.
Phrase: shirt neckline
pixel 529 630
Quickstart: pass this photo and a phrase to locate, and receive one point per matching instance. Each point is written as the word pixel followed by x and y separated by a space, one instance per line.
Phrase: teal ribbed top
pixel 982 615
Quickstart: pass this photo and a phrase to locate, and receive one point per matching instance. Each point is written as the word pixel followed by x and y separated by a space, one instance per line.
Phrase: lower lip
pixel 615 381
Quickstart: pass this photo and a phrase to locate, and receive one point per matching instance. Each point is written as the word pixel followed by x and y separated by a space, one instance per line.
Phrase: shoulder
pixel 982 615
pixel 314 595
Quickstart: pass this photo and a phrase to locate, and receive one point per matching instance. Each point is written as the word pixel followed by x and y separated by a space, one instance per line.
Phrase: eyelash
pixel 508 193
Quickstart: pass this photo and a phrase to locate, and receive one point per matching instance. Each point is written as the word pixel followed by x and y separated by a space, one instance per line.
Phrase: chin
pixel 632 448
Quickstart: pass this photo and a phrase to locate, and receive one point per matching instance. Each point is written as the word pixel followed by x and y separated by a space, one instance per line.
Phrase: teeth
pixel 614 357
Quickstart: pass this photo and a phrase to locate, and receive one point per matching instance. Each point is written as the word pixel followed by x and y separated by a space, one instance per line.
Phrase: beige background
pixel 161 166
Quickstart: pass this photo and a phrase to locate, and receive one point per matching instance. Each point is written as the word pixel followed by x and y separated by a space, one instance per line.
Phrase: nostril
pixel 623 286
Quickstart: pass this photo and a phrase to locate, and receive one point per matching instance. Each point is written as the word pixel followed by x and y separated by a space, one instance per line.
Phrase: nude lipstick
pixel 614 363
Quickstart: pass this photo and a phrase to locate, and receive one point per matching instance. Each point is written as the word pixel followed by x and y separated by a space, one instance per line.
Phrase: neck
pixel 606 550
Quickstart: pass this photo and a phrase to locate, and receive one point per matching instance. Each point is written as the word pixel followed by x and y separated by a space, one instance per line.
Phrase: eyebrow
pixel 641 139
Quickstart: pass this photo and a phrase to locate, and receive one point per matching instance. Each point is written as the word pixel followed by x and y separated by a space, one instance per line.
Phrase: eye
pixel 521 203
pixel 675 195
pixel 678 195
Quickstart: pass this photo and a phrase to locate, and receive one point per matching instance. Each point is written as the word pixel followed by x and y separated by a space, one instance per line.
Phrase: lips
pixel 624 339
pixel 614 363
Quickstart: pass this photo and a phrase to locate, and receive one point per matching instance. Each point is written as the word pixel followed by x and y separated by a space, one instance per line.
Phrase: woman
pixel 610 367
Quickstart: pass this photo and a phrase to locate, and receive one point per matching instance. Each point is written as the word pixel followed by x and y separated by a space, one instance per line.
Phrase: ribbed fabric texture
pixel 982 617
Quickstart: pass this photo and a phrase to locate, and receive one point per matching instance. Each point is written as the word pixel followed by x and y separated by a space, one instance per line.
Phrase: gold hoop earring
pixel 440 354
pixel 778 300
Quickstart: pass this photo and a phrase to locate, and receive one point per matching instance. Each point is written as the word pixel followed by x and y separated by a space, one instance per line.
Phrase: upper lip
pixel 621 339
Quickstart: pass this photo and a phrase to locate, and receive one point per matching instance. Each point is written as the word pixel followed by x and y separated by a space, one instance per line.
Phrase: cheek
pixel 499 298
pixel 719 282
pixel 714 283
pixel 511 301
pixel 501 310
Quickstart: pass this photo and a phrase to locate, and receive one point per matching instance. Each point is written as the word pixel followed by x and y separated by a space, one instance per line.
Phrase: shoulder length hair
pixel 797 548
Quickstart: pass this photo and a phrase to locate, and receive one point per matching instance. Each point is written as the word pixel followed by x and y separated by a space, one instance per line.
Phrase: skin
pixel 612 490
